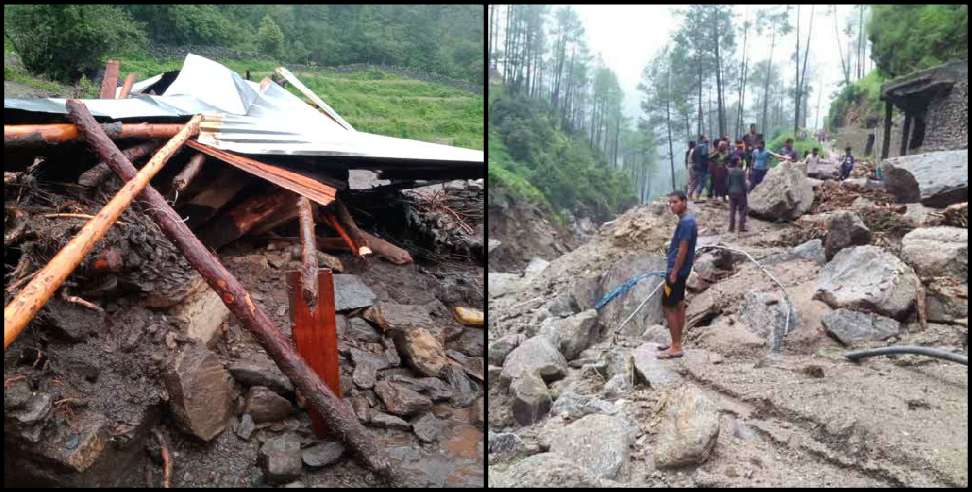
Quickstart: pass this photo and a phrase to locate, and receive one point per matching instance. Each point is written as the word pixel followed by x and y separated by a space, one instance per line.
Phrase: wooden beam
pixel 127 86
pixel 240 219
pixel 22 309
pixel 353 230
pixel 182 180
pixel 886 137
pixel 905 134
pixel 308 252
pixel 65 132
pixel 94 176
pixel 338 414
pixel 110 81
pixel 289 77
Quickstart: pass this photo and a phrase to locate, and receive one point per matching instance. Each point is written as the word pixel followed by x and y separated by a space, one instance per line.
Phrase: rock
pixel 392 317
pixel 34 408
pixel 947 301
pixel 257 369
pixel 492 244
pixel 937 251
pixel 391 353
pixel 361 407
pixel 68 321
pixel 325 260
pixel 614 313
pixel 937 179
pixel 596 443
pixel 499 349
pixel 322 454
pixel 852 326
pixel 493 374
pixel 362 331
pixel 657 373
pixel 246 427
pixel 784 194
pixel 426 427
pixel 381 419
pixel 504 443
pixel 421 351
pixel 501 284
pixel 845 229
pixel 295 485
pixel 917 214
pixel 618 386
pixel 464 391
pixel 546 470
pixel 479 412
pixel 350 292
pixel 572 335
pixel 536 266
pixel 434 388
pixel 572 406
pixel 764 313
pixel 868 278
pixel 562 306
pixel 280 459
pixel 731 339
pixel 584 291
pixel 472 365
pixel 861 203
pixel 366 367
pixel 266 406
pixel 193 373
pixel 689 428
pixel 535 356
pixel 400 400
pixel 531 400
pixel 201 313
pixel 657 334
pixel 812 250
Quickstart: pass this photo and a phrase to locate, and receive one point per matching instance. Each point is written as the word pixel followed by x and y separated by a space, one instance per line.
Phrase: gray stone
pixel 325 260
pixel 947 301
pixel 917 214
pixel 421 351
pixel 393 317
pixel 657 334
pixel 492 244
pixel 499 349
pixel 200 392
pixel 501 284
pixel 572 335
pixel 784 194
pixel 362 331
pixel 266 406
pixel 479 412
pixel 434 388
pixel 361 407
pixel 400 400
pixel 812 250
pixel 391 353
pixel 937 179
pixel 647 367
pixel 618 386
pixel 845 229
pixel 597 443
pixel 426 427
pixel 366 367
pixel 531 400
pixel 322 454
pixel 536 266
pixel 546 470
pixel 535 356
pixel 937 251
pixel 464 391
pixel 35 409
pixel 381 419
pixel 689 428
pixel 472 365
pixel 245 427
pixel 614 313
pixel 764 313
pixel 201 313
pixel 257 369
pixel 280 458
pixel 852 326
pixel 562 306
pixel 868 278
pixel 572 406
pixel 584 291
pixel 504 443
pixel 350 292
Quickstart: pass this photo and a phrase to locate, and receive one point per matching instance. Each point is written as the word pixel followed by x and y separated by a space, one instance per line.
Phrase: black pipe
pixel 908 349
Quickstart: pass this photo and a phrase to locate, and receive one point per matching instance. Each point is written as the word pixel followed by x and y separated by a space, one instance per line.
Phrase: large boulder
pixel 689 429
pixel 936 179
pixel 538 356
pixel 572 406
pixel 597 443
pixel 850 327
pixel 572 335
pixel 947 300
pixel 613 314
pixel 811 250
pixel 648 368
pixel 937 251
pixel 531 400
pixel 536 266
pixel 499 349
pixel 200 392
pixel 784 194
pixel 764 313
pixel 543 470
pixel 845 229
pixel 500 284
pixel 868 278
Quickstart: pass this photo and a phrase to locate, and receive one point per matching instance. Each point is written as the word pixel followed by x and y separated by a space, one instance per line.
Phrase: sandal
pixel 669 355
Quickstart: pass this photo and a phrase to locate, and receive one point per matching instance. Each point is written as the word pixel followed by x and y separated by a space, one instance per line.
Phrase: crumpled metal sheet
pixel 241 117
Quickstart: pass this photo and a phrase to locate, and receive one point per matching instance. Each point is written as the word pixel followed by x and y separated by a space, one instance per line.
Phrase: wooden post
pixel 308 251
pixel 94 176
pixel 110 81
pixel 905 134
pixel 182 180
pixel 22 309
pixel 127 86
pixel 338 414
pixel 886 138
pixel 65 132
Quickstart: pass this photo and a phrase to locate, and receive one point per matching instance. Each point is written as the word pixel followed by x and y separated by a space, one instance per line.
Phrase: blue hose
pixel 625 287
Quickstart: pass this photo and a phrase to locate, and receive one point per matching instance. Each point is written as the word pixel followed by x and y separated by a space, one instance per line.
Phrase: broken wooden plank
pixel 308 251
pixel 219 191
pixel 289 77
pixel 182 180
pixel 240 219
pixel 340 418
pixel 344 217
pixel 22 309
pixel 94 176
pixel 333 222
pixel 280 217
pixel 65 132
pixel 298 183
pixel 127 86
pixel 110 81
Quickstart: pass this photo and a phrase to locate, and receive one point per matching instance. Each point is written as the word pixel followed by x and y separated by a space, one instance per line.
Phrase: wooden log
pixel 239 220
pixel 182 180
pixel 353 230
pixel 387 250
pixel 22 309
pixel 100 172
pixel 332 244
pixel 340 418
pixel 127 86
pixel 279 218
pixel 220 190
pixel 333 222
pixel 54 133
pixel 110 81
pixel 308 251
pixel 327 110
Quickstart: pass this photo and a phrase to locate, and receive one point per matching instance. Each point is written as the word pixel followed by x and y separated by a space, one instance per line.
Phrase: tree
pixel 270 37
pixel 801 75
pixel 777 22
pixel 906 38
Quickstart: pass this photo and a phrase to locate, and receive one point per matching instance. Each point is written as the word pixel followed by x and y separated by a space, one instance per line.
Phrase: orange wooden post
pixel 314 333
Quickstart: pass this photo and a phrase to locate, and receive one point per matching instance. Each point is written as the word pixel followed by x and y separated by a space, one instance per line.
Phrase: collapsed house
pixel 254 164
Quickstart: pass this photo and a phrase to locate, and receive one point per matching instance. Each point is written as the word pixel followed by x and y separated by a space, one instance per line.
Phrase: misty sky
pixel 627 36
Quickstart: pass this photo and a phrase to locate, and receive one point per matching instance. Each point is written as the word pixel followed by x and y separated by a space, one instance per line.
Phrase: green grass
pixel 506 173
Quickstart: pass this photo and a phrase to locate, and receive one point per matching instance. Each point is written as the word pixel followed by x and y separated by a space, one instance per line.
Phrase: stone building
pixel 935 103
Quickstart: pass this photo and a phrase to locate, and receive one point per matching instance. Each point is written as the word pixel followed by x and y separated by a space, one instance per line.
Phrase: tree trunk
pixel 769 71
pixel 803 75
pixel 719 103
pixel 668 118
pixel 796 94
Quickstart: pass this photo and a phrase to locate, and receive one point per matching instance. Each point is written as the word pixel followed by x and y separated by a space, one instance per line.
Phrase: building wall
pixel 948 120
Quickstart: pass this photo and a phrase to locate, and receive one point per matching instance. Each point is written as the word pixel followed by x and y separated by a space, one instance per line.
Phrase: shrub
pixel 270 37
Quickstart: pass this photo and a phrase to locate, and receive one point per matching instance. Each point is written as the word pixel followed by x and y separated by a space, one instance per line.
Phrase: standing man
pixel 681 256
pixel 750 140
pixel 846 164
pixel 690 167
pixel 700 156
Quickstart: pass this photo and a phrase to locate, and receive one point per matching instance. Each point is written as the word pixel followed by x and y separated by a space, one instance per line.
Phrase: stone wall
pixel 948 120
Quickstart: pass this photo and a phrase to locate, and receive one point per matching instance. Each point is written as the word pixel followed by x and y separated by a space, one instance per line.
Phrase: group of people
pixel 730 173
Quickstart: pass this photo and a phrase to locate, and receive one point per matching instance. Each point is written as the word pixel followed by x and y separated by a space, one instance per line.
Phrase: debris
pixel 264 405
pixel 400 400
pixel 280 458
pixel 351 293
pixel 468 316
pixel 596 443
pixel 937 179
pixel 382 419
pixel 867 278
pixel 322 454
pixel 421 350
pixel 110 82
pixel 182 180
pixel 257 370
pixel 100 172
pixel 852 326
pixel 197 371
pixel 166 459
pixel 689 429
pixel 531 400
pixel 426 427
